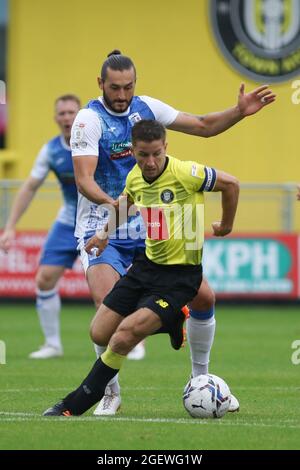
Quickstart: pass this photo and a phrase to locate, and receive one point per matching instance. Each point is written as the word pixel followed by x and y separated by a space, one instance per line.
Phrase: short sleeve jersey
pixel 98 131
pixel 172 207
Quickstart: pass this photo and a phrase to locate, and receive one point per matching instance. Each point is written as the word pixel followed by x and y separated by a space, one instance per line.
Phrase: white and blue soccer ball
pixel 206 396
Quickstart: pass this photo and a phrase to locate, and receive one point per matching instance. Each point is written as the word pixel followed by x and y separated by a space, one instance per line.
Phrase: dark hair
pixel 116 61
pixel 68 97
pixel 148 130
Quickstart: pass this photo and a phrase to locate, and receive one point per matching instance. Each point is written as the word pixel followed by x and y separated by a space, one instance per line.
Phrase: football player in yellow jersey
pixel 149 298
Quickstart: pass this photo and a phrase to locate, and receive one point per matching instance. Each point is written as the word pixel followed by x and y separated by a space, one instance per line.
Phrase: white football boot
pixel 234 405
pixel 109 405
pixel 137 353
pixel 46 352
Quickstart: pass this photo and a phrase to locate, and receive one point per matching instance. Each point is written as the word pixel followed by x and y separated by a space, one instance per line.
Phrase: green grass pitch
pixel 252 352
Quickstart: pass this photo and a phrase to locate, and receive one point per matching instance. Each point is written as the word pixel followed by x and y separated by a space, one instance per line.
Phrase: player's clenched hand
pixel 96 245
pixel 220 230
pixel 6 240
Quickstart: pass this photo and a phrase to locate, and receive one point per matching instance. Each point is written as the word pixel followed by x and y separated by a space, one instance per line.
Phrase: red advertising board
pixel 240 266
pixel 18 268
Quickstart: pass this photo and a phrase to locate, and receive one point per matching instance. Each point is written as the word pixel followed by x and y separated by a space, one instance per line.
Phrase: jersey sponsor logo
pixel 119 146
pixel 133 118
pixel 162 303
pixel 167 196
pixel 260 38
pixel 117 156
pixel 155 223
pixel 120 150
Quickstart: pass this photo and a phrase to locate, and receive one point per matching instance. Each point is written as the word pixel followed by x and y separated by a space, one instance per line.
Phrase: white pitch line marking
pixel 145 389
pixel 6 416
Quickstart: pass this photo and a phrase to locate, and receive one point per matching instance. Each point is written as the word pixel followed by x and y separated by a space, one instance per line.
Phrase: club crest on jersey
pixel 167 196
pixel 134 118
pixel 260 38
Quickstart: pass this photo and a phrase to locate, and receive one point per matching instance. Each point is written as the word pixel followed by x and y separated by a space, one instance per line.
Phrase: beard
pixel 111 104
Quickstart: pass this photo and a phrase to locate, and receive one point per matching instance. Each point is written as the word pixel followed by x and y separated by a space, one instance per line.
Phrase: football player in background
pixel 60 248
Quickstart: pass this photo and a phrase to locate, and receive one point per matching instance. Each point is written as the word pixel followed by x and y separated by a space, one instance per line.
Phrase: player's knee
pixel 97 336
pixel 44 280
pixel 204 300
pixel 121 341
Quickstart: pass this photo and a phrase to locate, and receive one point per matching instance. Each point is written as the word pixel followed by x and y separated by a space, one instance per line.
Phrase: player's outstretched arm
pixel 22 201
pixel 215 123
pixel 229 187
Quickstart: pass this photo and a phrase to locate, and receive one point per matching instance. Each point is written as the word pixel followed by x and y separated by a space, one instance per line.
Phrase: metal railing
pixel 262 206
pixel 286 207
pixel 49 191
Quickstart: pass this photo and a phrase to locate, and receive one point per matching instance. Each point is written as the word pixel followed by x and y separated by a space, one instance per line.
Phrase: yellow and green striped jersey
pixel 172 207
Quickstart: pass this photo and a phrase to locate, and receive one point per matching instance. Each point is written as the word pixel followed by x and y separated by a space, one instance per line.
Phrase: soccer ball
pixel 206 396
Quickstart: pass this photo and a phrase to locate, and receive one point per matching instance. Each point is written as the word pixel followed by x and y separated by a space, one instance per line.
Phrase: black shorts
pixel 164 289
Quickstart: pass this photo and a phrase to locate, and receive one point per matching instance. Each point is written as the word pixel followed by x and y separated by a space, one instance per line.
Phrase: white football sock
pixel 99 350
pixel 200 335
pixel 48 307
pixel 114 382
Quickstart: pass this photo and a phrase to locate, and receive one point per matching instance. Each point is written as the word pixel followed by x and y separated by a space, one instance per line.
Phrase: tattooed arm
pixel 214 123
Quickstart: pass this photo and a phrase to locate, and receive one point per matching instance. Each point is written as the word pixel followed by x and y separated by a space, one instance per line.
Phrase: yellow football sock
pixel 112 359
